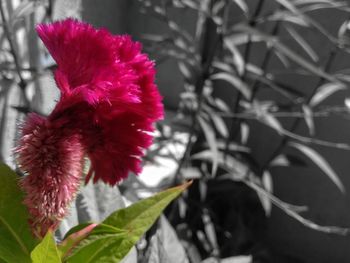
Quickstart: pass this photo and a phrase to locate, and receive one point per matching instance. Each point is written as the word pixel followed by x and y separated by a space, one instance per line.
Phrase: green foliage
pixel 112 240
pixel 16 240
pixel 46 251
pixel 103 244
pixel 109 241
pixel 215 53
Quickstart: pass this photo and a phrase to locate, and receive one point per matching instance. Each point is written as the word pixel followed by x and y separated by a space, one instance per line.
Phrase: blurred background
pixel 257 114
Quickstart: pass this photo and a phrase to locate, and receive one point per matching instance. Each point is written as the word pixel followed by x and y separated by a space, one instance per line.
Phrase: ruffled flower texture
pixel 106 111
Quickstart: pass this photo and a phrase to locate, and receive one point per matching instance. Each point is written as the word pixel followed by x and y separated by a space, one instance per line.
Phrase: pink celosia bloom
pixel 107 108
pixel 52 155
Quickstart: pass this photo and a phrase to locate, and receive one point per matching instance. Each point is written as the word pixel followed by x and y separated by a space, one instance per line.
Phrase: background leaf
pixel 209 134
pixel 320 162
pixel 302 42
pixel 235 259
pixel 242 4
pixel 97 201
pixel 234 81
pixel 285 50
pixel 267 183
pixel 165 246
pixel 309 120
pixel 94 203
pixel 325 91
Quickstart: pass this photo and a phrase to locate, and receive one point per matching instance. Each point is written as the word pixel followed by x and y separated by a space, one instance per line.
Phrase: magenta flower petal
pixel 79 50
pixel 108 92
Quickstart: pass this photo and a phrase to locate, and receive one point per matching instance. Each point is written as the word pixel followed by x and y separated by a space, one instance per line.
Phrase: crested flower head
pixel 107 91
pixel 106 111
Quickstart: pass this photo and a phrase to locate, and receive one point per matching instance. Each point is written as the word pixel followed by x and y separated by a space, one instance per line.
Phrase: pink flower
pixel 107 108
pixel 52 156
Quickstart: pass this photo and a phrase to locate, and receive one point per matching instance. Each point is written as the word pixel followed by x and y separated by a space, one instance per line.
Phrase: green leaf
pixel 139 217
pixel 101 245
pixel 74 236
pixel 320 162
pixel 112 240
pixel 46 251
pixel 16 240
